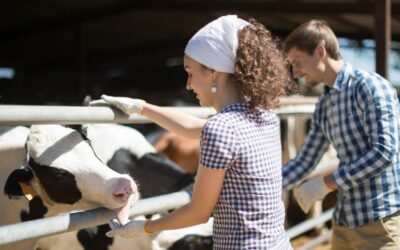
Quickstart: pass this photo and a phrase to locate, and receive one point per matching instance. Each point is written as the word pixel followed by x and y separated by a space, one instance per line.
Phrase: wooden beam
pixel 281 19
pixel 382 36
pixel 29 27
pixel 345 21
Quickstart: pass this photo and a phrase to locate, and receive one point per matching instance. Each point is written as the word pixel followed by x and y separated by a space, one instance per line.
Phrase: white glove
pixel 134 228
pixel 127 105
pixel 309 192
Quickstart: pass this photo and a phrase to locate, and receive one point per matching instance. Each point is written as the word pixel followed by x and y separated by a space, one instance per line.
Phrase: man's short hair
pixel 309 35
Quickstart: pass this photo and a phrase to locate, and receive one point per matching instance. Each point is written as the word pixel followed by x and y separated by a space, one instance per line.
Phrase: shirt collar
pixel 239 106
pixel 341 79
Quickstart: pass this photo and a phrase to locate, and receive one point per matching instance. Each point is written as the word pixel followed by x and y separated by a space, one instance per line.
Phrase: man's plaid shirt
pixel 359 116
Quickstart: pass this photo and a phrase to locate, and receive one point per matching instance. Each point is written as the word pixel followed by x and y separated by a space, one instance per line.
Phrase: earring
pixel 214 88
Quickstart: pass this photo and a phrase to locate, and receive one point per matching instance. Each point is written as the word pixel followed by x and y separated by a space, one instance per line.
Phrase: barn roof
pixel 78 47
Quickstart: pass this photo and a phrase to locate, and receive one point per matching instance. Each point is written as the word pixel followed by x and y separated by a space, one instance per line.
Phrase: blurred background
pixel 57 52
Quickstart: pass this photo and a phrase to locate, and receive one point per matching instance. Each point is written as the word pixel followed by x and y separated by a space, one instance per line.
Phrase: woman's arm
pixel 206 192
pixel 178 122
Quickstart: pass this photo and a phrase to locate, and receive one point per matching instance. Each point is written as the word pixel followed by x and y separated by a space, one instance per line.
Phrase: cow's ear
pixel 77 127
pixel 17 182
pixel 81 128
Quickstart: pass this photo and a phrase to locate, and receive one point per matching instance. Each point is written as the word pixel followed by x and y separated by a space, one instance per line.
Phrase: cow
pixel 183 151
pixel 125 150
pixel 51 169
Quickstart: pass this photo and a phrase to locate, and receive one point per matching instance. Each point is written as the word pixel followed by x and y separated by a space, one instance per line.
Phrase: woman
pixel 237 68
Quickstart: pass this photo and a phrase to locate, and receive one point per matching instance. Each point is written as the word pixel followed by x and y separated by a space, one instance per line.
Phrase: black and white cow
pixel 50 169
pixel 126 150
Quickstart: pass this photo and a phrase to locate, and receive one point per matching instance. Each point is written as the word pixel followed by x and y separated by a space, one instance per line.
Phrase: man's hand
pixel 134 228
pixel 127 105
pixel 309 192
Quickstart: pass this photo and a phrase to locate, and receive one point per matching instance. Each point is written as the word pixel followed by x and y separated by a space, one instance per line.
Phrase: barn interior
pixel 57 52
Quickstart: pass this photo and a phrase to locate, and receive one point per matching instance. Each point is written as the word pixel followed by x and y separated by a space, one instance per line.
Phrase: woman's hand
pixel 127 105
pixel 134 228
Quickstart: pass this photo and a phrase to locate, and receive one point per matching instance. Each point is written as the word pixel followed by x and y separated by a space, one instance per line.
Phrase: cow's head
pixel 126 150
pixel 64 172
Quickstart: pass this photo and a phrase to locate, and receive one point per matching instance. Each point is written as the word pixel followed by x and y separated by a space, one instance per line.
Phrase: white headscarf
pixel 215 44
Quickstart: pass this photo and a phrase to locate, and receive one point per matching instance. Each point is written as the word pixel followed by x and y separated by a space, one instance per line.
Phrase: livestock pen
pixel 28 115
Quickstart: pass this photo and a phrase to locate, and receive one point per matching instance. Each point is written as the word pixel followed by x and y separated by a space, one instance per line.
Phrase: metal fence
pixel 85 219
pixel 28 115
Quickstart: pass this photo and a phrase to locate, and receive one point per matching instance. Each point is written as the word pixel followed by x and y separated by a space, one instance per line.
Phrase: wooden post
pixel 382 36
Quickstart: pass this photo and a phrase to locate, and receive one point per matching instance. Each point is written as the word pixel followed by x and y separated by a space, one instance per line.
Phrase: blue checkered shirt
pixel 359 116
pixel 249 213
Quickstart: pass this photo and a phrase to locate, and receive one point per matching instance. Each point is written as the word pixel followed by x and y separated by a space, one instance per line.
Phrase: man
pixel 358 113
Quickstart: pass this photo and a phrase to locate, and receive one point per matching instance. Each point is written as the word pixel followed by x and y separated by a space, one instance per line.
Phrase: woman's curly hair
pixel 261 70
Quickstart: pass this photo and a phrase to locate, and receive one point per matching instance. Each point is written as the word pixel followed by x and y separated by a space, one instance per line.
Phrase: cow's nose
pixel 123 189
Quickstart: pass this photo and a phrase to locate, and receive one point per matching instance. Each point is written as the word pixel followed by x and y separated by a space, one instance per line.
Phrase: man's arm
pixel 310 153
